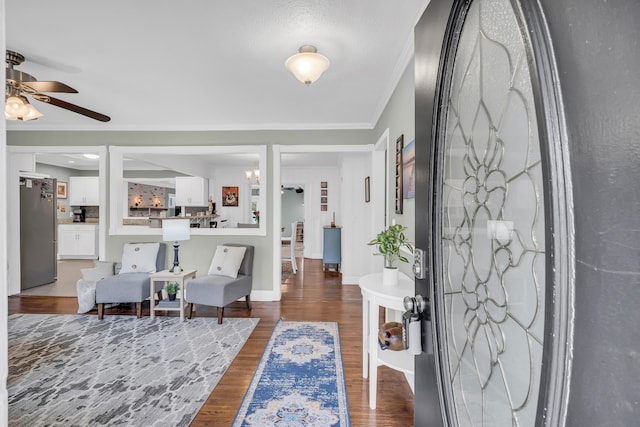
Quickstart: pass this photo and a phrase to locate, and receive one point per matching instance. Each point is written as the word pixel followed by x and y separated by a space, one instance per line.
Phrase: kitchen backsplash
pixel 92 211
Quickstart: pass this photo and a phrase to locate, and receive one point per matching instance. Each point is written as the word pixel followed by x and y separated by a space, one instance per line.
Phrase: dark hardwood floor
pixel 309 295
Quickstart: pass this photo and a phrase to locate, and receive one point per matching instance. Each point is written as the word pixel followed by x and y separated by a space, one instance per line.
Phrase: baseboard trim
pixel 262 296
pixel 350 280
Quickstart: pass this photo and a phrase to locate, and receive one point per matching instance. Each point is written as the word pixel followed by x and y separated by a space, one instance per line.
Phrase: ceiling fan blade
pixel 71 107
pixel 38 86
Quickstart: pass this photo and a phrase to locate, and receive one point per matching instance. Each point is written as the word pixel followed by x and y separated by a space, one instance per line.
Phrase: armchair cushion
pixel 125 287
pixel 139 258
pixel 227 261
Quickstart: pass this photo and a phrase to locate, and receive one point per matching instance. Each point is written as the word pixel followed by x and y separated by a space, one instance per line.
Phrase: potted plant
pixel 389 242
pixel 172 289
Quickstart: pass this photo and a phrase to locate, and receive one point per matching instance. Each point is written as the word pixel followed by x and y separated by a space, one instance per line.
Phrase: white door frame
pixel 380 193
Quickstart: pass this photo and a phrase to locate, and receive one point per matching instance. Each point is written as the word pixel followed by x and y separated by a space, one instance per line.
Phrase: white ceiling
pixel 212 65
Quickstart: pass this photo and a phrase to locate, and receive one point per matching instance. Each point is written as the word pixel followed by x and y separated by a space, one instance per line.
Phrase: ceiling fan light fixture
pixel 16 107
pixel 308 65
pixel 32 114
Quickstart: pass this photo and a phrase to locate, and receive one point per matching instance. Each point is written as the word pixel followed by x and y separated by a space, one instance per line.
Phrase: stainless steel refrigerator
pixel 38 254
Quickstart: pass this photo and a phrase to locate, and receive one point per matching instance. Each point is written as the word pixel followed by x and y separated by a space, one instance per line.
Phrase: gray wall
pixel 399 118
pixel 596 46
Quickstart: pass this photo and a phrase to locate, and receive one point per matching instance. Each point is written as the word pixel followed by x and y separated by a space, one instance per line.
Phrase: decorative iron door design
pixel 496 198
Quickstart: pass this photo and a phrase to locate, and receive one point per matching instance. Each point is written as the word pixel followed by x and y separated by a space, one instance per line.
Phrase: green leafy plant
pixel 389 242
pixel 172 288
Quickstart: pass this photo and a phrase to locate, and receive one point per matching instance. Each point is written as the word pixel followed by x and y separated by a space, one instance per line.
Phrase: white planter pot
pixel 390 276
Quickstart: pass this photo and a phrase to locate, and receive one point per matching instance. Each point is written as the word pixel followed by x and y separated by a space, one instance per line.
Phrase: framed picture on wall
pixel 323 184
pixel 408 170
pixel 61 190
pixel 229 196
pixel 323 192
pixel 323 200
pixel 323 208
pixel 367 190
pixel 399 146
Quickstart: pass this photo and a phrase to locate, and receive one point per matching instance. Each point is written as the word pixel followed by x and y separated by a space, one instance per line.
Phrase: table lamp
pixel 176 230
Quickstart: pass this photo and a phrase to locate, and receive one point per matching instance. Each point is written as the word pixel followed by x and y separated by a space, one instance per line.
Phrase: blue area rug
pixel 299 381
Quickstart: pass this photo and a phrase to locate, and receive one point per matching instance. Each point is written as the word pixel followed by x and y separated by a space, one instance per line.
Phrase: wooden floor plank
pixel 309 295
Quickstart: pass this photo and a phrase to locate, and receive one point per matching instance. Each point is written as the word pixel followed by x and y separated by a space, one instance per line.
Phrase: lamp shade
pixel 308 65
pixel 174 230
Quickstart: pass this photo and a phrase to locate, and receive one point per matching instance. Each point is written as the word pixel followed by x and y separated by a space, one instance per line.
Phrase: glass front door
pixel 491 233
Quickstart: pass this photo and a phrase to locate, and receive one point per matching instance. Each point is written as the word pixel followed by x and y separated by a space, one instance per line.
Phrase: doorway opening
pixel 292 235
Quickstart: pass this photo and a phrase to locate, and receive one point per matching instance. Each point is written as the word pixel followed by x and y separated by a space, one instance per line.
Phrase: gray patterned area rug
pixel 78 371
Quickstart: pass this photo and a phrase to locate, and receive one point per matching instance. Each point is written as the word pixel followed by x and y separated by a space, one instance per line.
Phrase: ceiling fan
pixel 18 84
pixel 297 189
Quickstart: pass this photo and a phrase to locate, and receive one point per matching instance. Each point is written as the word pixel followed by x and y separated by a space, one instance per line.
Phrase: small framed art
pixel 367 190
pixel 61 190
pixel 229 196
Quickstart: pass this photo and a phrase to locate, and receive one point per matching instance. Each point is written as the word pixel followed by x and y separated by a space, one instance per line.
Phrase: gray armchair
pixel 219 291
pixel 129 287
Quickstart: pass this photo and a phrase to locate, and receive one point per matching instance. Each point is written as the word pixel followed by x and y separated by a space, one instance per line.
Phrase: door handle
pixel 412 323
pixel 417 304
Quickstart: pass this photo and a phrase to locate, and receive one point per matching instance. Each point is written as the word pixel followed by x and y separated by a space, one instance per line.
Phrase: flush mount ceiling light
pixel 308 65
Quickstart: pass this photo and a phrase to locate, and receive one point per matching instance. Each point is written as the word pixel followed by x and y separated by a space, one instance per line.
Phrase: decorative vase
pixel 390 276
pixel 172 297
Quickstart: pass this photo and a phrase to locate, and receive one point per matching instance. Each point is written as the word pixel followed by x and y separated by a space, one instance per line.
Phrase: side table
pixel 331 248
pixel 374 296
pixel 167 276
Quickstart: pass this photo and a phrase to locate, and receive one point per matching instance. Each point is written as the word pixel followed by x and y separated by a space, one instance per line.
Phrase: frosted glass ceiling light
pixel 308 65
pixel 32 114
pixel 18 108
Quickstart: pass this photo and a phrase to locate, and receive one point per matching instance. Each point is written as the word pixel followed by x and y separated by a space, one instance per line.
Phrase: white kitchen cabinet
pixel 78 241
pixel 84 191
pixel 192 191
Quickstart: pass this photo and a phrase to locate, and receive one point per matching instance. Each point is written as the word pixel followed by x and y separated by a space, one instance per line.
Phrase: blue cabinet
pixel 331 251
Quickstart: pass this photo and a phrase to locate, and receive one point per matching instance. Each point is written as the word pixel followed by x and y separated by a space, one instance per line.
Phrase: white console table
pixel 374 296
